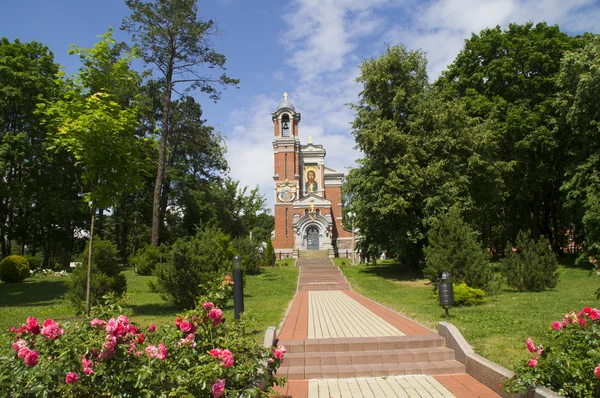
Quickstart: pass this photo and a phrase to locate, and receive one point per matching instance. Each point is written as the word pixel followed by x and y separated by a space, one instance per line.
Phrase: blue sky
pixel 309 48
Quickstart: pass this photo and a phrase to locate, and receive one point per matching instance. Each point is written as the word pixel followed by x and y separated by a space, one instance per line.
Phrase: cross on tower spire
pixel 285 96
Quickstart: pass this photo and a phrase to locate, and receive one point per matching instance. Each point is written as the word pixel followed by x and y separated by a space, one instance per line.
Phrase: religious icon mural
pixel 310 179
pixel 286 192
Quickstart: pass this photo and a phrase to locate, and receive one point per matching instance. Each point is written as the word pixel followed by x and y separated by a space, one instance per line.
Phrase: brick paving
pixel 342 344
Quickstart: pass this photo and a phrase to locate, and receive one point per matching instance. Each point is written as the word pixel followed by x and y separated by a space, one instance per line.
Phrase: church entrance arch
pixel 312 238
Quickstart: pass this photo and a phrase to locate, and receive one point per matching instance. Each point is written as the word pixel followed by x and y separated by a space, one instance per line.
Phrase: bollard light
pixel 238 287
pixel 446 291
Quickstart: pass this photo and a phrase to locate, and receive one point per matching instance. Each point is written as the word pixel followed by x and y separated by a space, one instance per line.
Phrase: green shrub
pixel 532 267
pixel 465 296
pixel 14 269
pixel 191 263
pixel 568 360
pixel 252 258
pixel 269 253
pixel 34 262
pixel 454 248
pixel 146 259
pixel 106 275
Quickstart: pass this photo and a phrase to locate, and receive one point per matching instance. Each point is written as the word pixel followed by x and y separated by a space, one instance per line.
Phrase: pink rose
pixel 151 328
pixel 532 362
pixel 31 359
pixel 17 345
pixel 215 352
pixel 22 352
pixel 530 345
pixel 215 314
pixel 152 351
pixel 595 314
pixel 88 371
pixel 162 352
pixel 52 329
pixel 227 358
pixel 71 378
pixel 97 322
pixel 123 319
pixel 556 325
pixel 208 305
pixel 87 365
pixel 111 326
pixel 185 326
pixel 218 388
pixel 587 310
pixel 597 371
pixel 582 322
pixel 178 321
pixel 32 325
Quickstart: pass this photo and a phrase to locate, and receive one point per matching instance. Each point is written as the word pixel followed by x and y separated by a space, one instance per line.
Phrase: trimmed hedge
pixel 14 269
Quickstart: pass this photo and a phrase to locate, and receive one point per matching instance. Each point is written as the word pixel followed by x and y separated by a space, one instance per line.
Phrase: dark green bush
pixel 146 259
pixel 252 258
pixel 269 253
pixel 191 263
pixel 465 296
pixel 106 275
pixel 532 267
pixel 14 269
pixel 454 248
pixel 34 262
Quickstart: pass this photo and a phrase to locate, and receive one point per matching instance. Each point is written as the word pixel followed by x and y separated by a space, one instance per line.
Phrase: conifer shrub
pixel 106 275
pixel 465 296
pixel 191 264
pixel 531 266
pixel 14 269
pixel 269 252
pixel 453 247
pixel 252 258
pixel 146 259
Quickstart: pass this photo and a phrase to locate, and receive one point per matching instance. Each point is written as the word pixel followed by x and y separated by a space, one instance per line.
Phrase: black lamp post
pixel 446 291
pixel 238 287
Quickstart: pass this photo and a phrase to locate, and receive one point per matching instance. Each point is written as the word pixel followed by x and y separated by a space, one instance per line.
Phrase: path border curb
pixel 482 369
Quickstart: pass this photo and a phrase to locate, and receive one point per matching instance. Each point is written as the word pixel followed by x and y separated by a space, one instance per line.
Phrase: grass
pixel 266 297
pixel 497 329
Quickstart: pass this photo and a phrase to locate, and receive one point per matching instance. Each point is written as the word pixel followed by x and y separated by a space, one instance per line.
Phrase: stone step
pixel 313 254
pixel 326 286
pixel 370 370
pixel 432 354
pixel 346 344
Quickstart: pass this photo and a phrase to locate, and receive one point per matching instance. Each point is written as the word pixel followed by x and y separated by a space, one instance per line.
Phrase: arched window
pixel 285 125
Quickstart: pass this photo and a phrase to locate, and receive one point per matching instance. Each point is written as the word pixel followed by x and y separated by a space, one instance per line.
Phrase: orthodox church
pixel 308 194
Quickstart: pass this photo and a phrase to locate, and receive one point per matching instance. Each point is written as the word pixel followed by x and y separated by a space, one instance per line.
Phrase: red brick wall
pixel 334 194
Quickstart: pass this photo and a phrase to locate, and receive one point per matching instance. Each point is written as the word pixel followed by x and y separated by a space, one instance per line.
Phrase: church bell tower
pixel 286 177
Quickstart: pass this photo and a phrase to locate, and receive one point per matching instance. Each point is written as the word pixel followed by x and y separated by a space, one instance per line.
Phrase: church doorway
pixel 312 238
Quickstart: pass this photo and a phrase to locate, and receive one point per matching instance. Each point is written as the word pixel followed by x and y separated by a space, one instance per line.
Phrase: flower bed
pixel 568 362
pixel 199 355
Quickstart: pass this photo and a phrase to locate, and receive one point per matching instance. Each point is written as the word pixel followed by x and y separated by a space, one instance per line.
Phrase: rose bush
pixel 569 360
pixel 200 355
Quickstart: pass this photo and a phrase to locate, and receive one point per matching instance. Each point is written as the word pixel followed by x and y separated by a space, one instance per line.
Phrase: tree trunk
pixel 88 289
pixel 162 151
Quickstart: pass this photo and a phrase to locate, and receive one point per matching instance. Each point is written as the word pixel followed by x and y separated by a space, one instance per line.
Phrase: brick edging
pixel 482 369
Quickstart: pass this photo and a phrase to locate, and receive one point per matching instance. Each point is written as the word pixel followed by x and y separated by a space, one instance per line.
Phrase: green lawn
pixel 497 329
pixel 266 297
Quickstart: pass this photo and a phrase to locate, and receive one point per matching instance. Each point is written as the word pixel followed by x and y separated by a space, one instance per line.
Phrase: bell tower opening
pixel 285 125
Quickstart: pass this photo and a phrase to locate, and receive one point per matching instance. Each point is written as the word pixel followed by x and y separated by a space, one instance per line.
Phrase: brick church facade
pixel 308 194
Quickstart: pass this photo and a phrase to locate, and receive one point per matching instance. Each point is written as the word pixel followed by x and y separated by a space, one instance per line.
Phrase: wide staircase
pixel 320 274
pixel 313 253
pixel 368 356
pixel 366 347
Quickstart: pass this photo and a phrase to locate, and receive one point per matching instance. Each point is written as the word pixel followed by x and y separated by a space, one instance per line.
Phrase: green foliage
pixel 252 258
pixel 269 253
pixel 106 275
pixel 453 247
pixel 147 259
pixel 567 361
pixel 465 296
pixel 34 262
pixel 192 262
pixel 183 360
pixel 14 269
pixel 532 267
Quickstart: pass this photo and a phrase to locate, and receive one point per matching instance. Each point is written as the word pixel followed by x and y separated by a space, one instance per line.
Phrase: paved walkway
pixel 342 344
